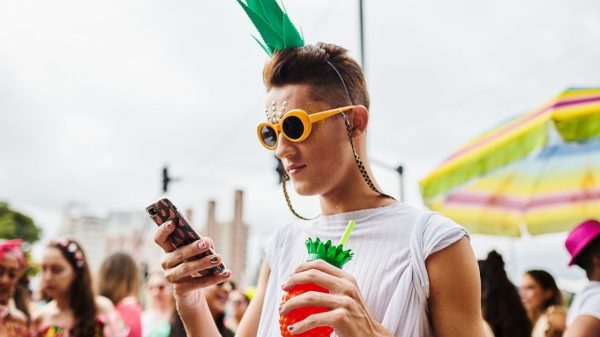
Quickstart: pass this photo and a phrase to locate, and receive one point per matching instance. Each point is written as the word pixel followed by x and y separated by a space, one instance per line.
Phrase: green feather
pixel 293 39
pixel 273 14
pixel 273 24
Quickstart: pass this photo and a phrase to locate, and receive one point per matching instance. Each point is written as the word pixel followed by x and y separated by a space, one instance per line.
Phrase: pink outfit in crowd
pixel 131 312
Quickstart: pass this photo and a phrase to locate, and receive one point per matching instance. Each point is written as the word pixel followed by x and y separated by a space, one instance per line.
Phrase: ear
pixel 596 260
pixel 359 120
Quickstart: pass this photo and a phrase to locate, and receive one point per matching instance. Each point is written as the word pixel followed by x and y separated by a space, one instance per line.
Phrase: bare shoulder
pixel 584 326
pixel 454 291
pixel 43 313
pixel 456 251
pixel 18 315
pixel 103 304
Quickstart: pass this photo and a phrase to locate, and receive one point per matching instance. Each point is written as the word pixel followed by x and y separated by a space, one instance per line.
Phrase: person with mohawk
pixel 413 272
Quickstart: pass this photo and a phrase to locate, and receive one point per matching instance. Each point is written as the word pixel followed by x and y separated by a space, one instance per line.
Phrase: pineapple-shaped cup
pixel 317 250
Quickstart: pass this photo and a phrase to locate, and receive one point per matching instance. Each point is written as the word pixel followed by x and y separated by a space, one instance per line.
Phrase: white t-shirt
pixel 587 302
pixel 390 246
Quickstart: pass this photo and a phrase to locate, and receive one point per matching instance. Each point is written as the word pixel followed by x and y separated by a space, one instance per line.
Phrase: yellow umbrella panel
pixel 551 192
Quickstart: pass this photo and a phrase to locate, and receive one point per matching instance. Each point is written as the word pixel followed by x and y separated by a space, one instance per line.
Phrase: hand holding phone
pixel 164 210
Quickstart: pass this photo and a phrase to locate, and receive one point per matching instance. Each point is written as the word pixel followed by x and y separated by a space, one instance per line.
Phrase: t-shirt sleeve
pixel 591 305
pixel 432 233
pixel 439 233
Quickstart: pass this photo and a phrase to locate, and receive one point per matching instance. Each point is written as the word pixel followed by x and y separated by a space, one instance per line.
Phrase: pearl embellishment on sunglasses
pixel 274 115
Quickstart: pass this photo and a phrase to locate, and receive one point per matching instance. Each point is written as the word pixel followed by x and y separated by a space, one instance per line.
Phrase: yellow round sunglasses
pixel 295 125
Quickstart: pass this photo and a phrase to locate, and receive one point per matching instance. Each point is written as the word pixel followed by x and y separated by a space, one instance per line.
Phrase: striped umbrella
pixel 541 169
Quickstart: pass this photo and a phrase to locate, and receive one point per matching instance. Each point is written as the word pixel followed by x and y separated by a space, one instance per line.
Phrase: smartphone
pixel 164 210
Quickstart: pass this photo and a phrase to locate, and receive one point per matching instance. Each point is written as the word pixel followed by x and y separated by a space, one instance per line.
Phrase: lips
pixel 294 169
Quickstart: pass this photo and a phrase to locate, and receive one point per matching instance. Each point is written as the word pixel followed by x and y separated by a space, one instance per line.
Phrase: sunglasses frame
pixel 306 119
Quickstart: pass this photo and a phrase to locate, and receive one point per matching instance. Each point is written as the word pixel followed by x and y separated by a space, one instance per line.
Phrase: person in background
pixel 238 302
pixel 13 322
pixel 157 318
pixel 22 296
pixel 583 244
pixel 543 300
pixel 118 280
pixel 217 297
pixel 501 307
pixel 74 311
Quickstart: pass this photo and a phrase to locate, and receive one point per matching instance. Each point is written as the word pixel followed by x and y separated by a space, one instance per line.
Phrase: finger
pixel 161 236
pixel 316 299
pixel 186 252
pixel 331 318
pixel 322 266
pixel 191 267
pixel 191 283
pixel 332 283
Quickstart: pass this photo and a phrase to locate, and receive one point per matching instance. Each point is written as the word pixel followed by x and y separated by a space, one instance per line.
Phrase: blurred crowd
pixel 124 302
pixel 120 302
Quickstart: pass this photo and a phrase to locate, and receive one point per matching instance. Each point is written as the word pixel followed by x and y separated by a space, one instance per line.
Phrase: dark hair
pixel 309 65
pixel 500 302
pixel 81 295
pixel 547 282
pixel 584 258
pixel 22 296
pixel 118 277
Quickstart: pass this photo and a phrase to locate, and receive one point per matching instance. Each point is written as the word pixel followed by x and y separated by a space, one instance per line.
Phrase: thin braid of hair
pixel 359 163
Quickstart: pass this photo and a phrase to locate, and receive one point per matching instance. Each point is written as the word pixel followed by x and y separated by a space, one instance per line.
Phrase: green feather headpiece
pixel 273 25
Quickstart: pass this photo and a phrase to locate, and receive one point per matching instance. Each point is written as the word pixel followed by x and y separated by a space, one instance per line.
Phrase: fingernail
pixel 225 273
pixel 213 259
pixel 291 328
pixel 202 245
pixel 168 225
pixel 281 308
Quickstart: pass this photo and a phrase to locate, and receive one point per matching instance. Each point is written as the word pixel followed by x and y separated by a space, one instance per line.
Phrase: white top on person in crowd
pixel 585 303
pixel 390 246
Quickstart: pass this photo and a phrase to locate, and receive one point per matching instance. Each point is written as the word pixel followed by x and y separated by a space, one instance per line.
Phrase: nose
pixel 285 148
pixel 46 275
pixel 4 278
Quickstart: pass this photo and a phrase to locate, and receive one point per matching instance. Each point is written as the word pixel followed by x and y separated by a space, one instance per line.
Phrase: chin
pixel 305 189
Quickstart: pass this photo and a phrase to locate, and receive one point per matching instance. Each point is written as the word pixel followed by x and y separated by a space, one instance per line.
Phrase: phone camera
pixel 152 211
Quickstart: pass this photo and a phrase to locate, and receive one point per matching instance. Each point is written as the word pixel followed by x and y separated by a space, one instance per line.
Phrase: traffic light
pixel 165 179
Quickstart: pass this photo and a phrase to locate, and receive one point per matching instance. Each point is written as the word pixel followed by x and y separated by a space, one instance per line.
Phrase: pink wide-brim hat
pixel 580 236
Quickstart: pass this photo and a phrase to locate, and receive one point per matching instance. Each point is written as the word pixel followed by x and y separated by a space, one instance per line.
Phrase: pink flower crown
pixel 73 249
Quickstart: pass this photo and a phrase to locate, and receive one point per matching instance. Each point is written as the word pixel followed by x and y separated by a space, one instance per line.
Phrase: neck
pixel 353 195
pixel 164 307
pixel 62 302
pixel 534 315
pixel 595 275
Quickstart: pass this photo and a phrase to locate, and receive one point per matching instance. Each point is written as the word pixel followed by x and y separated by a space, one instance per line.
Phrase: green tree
pixel 15 225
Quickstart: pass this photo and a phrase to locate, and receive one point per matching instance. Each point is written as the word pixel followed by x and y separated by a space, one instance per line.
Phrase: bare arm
pixel 249 324
pixel 556 324
pixel 181 272
pixel 455 291
pixel 584 326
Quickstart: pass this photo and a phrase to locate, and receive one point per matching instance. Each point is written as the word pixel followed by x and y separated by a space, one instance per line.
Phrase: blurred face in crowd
pixel 159 291
pixel 217 297
pixel 9 274
pixel 239 304
pixel 532 294
pixel 57 273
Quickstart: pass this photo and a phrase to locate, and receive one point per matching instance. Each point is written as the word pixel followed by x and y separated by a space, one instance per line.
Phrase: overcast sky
pixel 96 96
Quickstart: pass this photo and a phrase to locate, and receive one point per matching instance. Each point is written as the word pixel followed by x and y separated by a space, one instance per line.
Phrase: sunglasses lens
pixel 293 127
pixel 269 136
